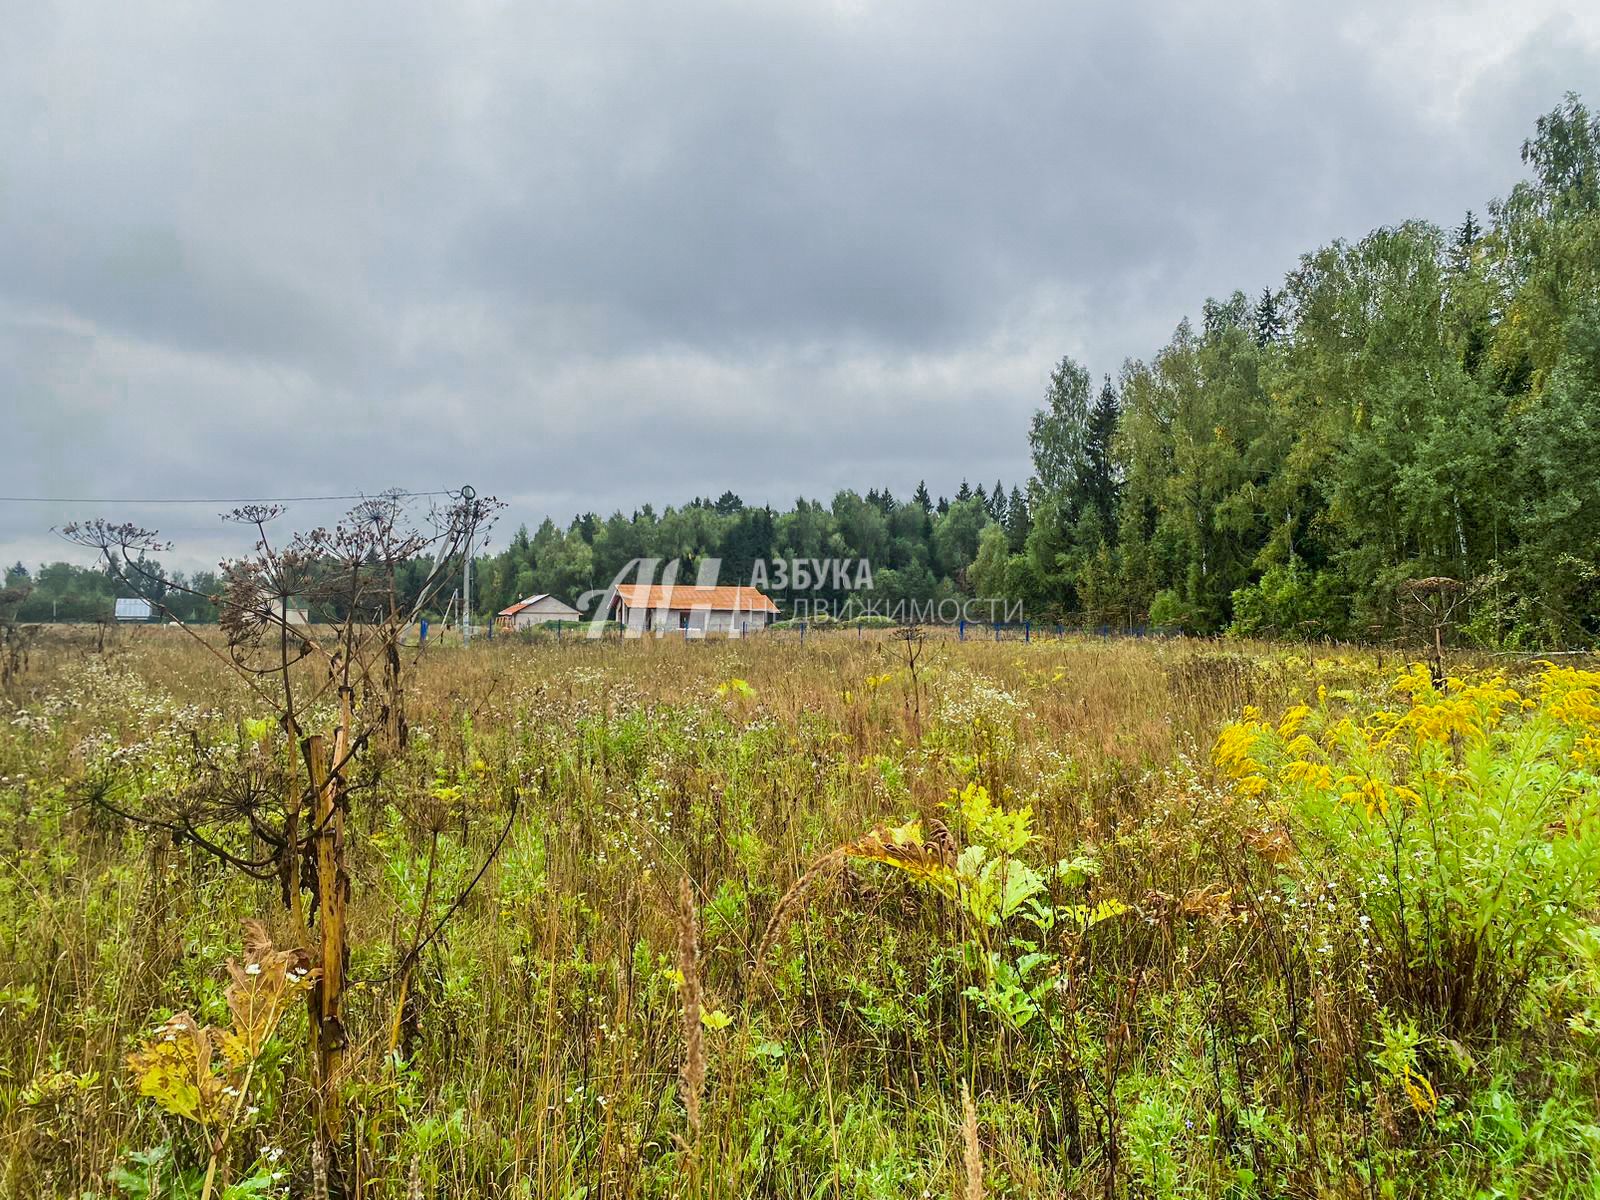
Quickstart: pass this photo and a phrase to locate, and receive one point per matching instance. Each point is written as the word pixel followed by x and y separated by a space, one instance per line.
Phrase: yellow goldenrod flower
pixel 1235 749
pixel 1292 719
pixel 1366 791
pixel 1419 1091
pixel 1309 774
pixel 1586 752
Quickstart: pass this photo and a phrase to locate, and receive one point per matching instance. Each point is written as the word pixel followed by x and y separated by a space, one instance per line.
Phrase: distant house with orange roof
pixel 692 611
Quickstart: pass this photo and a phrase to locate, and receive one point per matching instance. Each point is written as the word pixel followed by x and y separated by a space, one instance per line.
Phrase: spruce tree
pixel 1466 237
pixel 1018 519
pixel 997 503
pixel 1100 487
pixel 1268 319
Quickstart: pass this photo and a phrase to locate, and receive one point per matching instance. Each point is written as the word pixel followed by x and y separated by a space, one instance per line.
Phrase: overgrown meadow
pixel 862 917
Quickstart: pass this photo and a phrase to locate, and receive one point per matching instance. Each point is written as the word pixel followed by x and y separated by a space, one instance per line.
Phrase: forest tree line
pixel 1421 403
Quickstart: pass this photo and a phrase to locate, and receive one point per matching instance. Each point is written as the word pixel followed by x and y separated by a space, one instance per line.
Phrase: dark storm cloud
pixel 593 256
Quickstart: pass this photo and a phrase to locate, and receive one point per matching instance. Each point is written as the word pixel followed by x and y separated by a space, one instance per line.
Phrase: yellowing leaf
pixel 1085 915
pixel 902 847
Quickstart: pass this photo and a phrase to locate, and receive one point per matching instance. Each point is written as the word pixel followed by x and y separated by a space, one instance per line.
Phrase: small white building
pixel 535 611
pixel 133 608
pixel 692 611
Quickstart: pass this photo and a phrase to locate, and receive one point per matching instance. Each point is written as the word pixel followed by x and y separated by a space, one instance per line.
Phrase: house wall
pixel 733 622
pixel 721 622
pixel 548 609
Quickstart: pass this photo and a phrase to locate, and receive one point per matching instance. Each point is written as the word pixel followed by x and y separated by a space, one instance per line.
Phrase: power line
pixel 224 500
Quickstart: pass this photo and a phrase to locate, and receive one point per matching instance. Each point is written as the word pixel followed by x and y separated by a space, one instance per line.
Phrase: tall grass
pixel 675 981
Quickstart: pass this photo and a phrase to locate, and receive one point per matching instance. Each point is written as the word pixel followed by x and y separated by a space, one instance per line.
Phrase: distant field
pixel 1181 918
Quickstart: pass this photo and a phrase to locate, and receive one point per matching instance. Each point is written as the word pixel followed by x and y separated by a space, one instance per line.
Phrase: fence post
pixel 961 630
pixel 1027 631
pixel 802 633
pixel 997 631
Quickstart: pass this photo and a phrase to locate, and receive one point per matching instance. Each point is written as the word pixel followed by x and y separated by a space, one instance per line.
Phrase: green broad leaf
pixel 1021 884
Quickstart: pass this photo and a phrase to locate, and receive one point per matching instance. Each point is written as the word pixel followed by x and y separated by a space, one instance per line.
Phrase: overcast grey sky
pixel 587 256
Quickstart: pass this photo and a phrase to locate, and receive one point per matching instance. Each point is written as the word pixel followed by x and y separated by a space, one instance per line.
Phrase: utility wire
pixel 232 500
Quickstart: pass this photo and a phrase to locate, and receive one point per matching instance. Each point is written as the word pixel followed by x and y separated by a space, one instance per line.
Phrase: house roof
pixel 682 595
pixel 529 602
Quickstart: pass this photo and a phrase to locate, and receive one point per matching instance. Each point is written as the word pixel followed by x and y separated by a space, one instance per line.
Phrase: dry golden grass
pixel 546 1049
